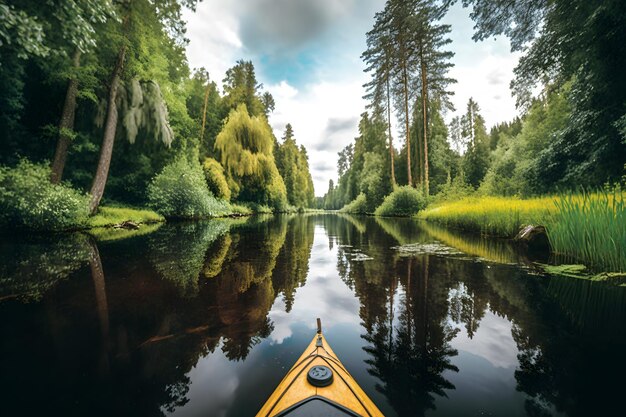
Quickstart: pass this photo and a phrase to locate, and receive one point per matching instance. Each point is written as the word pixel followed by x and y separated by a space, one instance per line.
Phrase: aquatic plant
pixel 591 227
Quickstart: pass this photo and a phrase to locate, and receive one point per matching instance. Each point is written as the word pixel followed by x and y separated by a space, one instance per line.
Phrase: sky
pixel 307 55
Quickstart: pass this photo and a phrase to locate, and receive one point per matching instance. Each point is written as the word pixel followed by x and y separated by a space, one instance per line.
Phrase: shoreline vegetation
pixel 585 227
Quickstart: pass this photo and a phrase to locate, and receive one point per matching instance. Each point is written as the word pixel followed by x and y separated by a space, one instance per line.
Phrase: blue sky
pixel 307 54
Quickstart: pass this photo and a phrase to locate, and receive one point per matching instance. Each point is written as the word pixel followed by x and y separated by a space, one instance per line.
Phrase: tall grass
pixel 591 227
pixel 493 216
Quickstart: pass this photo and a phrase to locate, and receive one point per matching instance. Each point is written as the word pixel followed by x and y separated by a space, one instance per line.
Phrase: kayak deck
pixel 297 394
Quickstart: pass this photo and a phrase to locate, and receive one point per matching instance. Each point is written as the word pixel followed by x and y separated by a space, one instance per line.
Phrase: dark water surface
pixel 204 319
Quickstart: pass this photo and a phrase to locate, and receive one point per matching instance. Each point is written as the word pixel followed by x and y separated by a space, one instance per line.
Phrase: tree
pixel 576 42
pixel 293 165
pixel 434 65
pixel 378 57
pixel 143 21
pixel 476 158
pixel 204 106
pixel 241 87
pixel 245 148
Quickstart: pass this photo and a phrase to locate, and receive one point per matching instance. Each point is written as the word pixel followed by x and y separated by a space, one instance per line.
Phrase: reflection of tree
pixel 292 265
pixel 244 289
pixel 30 267
pixel 410 358
pixel 178 252
pixel 216 256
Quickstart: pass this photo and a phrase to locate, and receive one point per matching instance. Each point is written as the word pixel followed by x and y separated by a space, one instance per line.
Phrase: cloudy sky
pixel 307 54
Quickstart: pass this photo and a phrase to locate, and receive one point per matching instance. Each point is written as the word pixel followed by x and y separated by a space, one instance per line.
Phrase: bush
pixel 29 200
pixel 403 202
pixel 180 191
pixel 356 206
pixel 215 179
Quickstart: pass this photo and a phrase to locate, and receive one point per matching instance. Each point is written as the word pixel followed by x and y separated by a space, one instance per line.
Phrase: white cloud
pixel 309 112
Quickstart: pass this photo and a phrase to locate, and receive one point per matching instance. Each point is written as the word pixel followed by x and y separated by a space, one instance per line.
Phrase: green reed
pixel 591 227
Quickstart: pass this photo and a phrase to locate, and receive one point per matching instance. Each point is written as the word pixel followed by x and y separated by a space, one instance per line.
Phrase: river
pixel 205 318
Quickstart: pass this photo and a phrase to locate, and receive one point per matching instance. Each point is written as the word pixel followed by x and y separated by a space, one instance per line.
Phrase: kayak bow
pixel 319 385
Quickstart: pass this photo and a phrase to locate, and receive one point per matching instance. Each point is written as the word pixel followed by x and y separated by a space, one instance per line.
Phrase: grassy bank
pixel 588 227
pixel 109 216
pixel 493 216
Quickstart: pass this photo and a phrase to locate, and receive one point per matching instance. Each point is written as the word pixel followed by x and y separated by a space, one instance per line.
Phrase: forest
pixel 100 113
pixel 571 131
pixel 568 142
pixel 102 120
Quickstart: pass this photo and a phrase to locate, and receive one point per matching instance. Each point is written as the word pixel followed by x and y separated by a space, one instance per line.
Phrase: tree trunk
pixel 206 101
pixel 425 120
pixel 393 172
pixel 406 123
pixel 418 153
pixel 66 124
pixel 106 151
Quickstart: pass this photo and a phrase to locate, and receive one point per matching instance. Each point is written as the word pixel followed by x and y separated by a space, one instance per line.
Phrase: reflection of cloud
pixel 282 321
pixel 323 293
pixel 204 393
pixel 492 341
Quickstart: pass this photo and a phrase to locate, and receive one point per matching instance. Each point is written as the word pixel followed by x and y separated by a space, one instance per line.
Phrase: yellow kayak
pixel 319 385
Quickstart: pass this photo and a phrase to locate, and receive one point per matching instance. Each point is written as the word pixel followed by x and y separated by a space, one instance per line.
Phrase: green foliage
pixel 245 145
pixel 455 189
pixel 404 201
pixel 215 179
pixel 372 182
pixel 293 164
pixel 514 168
pixel 180 191
pixel 29 200
pixel 241 87
pixel 31 266
pixel 109 216
pixel 357 206
pixel 577 43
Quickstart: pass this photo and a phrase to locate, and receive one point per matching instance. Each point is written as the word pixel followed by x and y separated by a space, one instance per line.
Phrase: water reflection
pixel 205 318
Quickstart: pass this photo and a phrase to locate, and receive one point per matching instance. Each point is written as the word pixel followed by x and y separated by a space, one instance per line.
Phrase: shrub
pixel 180 191
pixel 404 201
pixel 215 179
pixel 29 200
pixel 356 206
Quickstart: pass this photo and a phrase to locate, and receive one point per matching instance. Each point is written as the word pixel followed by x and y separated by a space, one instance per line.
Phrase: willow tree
pixel 245 146
pixel 143 109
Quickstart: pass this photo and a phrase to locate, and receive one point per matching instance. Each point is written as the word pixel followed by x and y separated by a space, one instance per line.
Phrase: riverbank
pixel 586 227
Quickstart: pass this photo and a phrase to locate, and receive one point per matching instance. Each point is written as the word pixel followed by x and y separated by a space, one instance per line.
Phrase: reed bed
pixel 493 216
pixel 589 227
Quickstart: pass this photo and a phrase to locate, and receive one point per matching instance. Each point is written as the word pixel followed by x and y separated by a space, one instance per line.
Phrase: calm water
pixel 204 319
